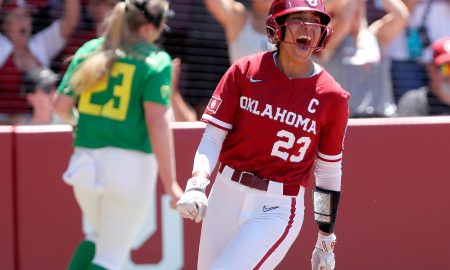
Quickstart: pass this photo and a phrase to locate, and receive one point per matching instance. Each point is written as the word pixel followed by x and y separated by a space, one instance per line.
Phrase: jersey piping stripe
pixel 217 126
pixel 217 122
pixel 329 157
pixel 283 236
pixel 329 161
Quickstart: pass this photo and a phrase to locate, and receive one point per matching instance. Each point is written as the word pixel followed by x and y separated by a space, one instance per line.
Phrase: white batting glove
pixel 323 254
pixel 193 203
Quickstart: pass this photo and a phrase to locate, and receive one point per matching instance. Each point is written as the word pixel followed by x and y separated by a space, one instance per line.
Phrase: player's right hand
pixel 323 254
pixel 193 203
pixel 175 193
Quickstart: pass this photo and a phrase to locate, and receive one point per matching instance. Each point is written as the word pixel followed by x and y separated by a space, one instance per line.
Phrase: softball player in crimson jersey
pixel 121 84
pixel 272 116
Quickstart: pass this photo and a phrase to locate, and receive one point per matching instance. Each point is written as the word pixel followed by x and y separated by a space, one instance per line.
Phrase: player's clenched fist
pixel 193 202
pixel 323 254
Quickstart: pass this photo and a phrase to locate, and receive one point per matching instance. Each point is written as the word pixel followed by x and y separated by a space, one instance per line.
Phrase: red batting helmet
pixel 282 8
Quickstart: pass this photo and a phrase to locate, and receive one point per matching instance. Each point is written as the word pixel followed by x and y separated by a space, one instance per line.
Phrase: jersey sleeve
pixel 64 84
pixel 158 84
pixel 224 102
pixel 332 135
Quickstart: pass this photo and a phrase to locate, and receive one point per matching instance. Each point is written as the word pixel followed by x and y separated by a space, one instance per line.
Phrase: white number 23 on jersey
pixel 286 142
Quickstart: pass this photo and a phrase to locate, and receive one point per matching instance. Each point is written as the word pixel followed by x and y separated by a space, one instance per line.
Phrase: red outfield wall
pixel 393 212
pixel 7 231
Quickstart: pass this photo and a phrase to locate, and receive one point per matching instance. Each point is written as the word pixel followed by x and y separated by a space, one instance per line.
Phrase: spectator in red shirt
pixel 22 52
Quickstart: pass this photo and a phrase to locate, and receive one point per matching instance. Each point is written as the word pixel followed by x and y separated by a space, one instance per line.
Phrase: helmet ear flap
pixel 273 30
pixel 325 38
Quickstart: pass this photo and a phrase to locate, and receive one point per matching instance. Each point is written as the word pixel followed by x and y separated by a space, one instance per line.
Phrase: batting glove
pixel 323 254
pixel 193 202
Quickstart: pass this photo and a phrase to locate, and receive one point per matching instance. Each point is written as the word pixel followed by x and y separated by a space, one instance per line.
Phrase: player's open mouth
pixel 303 42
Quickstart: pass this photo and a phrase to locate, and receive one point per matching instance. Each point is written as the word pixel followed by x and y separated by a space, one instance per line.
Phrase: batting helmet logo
pixel 312 3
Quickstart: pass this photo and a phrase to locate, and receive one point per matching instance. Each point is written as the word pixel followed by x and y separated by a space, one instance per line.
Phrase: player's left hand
pixel 323 254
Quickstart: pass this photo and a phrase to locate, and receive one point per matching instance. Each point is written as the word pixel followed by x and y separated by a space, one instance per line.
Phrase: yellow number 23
pixel 121 92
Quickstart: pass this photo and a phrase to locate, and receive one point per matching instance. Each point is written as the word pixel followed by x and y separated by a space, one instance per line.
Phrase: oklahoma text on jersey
pixel 281 115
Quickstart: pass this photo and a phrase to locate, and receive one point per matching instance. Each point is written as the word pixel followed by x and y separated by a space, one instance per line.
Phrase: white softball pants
pixel 117 212
pixel 245 228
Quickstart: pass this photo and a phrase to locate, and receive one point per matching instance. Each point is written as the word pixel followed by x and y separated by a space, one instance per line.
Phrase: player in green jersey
pixel 116 91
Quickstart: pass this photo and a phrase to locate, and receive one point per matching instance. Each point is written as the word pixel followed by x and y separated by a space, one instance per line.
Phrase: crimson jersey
pixel 277 126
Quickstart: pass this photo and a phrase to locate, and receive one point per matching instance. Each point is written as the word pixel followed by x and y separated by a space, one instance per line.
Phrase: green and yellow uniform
pixel 113 169
pixel 111 112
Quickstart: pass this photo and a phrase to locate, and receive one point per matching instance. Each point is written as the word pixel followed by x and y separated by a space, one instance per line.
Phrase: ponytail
pixel 98 64
pixel 120 31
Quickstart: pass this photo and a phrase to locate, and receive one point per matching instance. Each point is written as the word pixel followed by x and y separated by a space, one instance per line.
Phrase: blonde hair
pixel 120 32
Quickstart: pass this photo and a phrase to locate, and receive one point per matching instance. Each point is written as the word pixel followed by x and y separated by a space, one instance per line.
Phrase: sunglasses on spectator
pixel 444 69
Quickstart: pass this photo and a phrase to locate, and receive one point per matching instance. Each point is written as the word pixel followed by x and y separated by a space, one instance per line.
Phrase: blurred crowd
pixel 384 52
